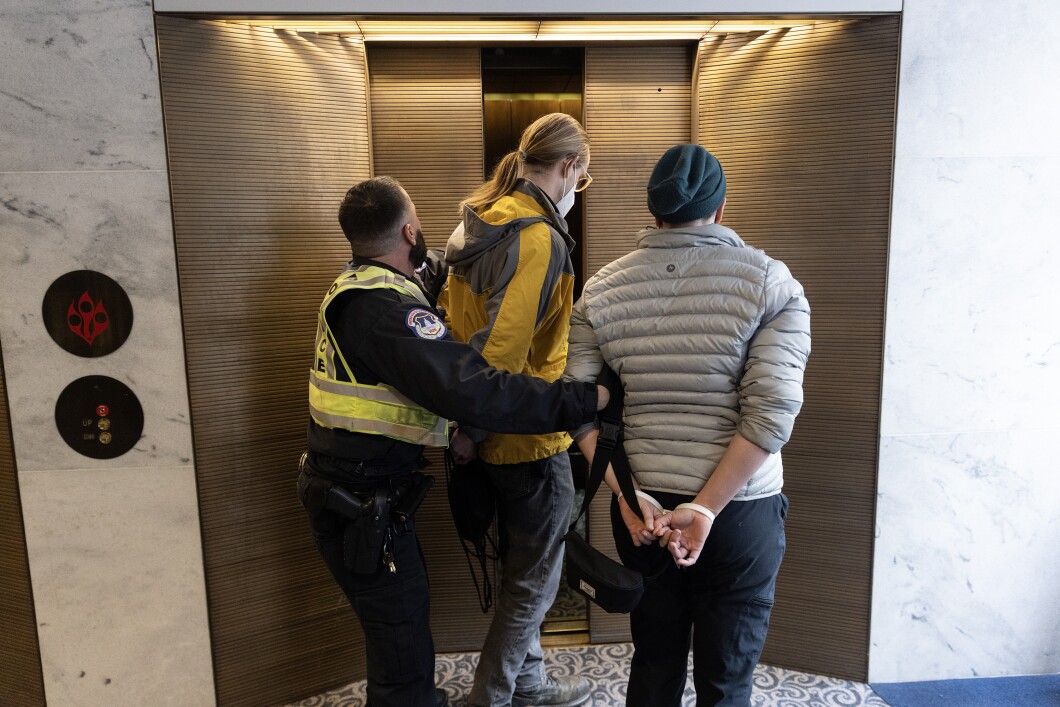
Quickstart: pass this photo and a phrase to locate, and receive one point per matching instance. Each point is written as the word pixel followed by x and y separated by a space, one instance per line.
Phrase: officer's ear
pixel 409 233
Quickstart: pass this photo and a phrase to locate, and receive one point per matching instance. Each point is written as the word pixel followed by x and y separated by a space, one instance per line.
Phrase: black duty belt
pixel 370 512
pixel 399 499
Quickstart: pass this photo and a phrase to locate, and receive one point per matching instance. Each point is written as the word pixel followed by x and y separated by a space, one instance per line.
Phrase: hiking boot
pixel 566 691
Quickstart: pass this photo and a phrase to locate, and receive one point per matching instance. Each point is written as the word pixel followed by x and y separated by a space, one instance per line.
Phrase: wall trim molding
pixel 541 7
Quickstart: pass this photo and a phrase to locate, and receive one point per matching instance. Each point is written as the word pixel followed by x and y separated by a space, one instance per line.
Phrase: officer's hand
pixel 462 448
pixel 603 397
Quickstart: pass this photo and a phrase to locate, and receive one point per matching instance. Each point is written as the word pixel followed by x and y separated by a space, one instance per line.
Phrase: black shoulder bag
pixel 609 584
pixel 473 505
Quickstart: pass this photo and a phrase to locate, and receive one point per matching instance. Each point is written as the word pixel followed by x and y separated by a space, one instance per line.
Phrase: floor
pixel 607 666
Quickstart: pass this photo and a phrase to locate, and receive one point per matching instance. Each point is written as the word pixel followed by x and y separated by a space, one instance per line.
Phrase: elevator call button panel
pixel 99 417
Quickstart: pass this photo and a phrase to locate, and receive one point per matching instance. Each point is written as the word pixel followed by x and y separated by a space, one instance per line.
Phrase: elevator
pixel 519 85
pixel 267 126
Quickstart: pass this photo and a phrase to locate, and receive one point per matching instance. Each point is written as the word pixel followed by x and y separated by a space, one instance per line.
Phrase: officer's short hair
pixel 372 214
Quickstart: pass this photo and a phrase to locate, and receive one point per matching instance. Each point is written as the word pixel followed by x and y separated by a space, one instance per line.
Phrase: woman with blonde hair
pixel 509 293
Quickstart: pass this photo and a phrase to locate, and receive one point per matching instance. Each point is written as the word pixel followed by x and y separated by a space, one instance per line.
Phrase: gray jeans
pixel 534 502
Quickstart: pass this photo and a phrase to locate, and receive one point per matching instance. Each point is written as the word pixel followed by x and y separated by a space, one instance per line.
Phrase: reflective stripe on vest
pixel 368 409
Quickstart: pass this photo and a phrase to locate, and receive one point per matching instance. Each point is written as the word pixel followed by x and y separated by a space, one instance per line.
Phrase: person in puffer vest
pixel 710 339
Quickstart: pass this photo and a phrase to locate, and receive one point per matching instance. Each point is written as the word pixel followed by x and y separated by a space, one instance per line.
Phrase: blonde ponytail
pixel 501 181
pixel 548 140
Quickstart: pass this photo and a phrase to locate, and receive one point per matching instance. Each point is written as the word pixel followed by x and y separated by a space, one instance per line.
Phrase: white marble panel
pixel 966 570
pixel 979 78
pixel 116 563
pixel 80 86
pixel 119 224
pixel 972 334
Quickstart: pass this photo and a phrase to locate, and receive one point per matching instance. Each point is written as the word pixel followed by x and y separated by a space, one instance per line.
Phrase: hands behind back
pixel 683 532
pixel 642 532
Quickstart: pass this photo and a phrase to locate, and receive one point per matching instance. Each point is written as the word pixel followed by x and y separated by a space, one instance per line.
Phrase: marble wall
pixel 114 545
pixel 968 512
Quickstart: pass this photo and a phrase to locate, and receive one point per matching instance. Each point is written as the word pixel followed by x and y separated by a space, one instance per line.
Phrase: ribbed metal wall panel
pixel 265 132
pixel 636 106
pixel 427 133
pixel 427 127
pixel 803 123
pixel 21 677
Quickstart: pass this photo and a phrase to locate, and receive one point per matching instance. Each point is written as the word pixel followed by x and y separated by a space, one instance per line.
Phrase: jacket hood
pixel 502 221
pixel 692 236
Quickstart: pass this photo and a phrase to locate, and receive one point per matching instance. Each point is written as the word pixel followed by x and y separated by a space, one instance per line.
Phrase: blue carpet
pixel 1027 691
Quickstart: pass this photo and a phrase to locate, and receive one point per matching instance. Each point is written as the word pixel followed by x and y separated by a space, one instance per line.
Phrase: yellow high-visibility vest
pixel 368 409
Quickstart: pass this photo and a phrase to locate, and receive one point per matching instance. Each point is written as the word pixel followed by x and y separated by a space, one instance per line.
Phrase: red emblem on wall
pixel 87 319
pixel 74 313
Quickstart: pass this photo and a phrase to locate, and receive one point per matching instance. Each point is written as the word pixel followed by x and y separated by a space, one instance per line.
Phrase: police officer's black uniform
pixel 376 559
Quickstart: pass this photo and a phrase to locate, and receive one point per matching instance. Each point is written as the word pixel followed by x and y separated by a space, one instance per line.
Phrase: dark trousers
pixel 394 613
pixel 719 607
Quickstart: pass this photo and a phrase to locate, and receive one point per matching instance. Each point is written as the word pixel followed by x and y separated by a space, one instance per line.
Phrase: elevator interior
pixel 269 121
pixel 520 84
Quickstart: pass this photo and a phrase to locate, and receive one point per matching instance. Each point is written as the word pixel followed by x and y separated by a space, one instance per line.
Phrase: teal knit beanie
pixel 687 184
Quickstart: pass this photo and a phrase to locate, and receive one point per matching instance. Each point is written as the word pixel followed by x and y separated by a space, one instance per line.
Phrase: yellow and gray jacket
pixel 341 402
pixel 509 294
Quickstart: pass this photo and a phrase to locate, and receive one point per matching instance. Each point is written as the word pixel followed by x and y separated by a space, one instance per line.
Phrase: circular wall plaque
pixel 87 313
pixel 99 417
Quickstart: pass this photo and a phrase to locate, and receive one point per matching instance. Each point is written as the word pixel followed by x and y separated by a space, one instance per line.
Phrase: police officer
pixel 385 377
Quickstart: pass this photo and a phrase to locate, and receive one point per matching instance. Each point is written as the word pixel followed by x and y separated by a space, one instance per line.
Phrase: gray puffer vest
pixel 709 337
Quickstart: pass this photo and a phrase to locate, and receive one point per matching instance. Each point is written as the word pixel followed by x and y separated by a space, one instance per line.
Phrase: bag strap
pixel 609 448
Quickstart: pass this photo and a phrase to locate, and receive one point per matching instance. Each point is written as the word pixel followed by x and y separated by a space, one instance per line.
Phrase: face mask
pixel 564 205
pixel 418 253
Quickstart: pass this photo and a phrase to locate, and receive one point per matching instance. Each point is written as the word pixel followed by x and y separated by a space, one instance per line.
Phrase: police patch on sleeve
pixel 425 324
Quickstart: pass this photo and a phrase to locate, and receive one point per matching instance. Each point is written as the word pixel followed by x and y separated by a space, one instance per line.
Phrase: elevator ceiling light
pixel 448 30
pixel 654 30
pixel 560 31
pixel 727 26
pixel 476 30
pixel 413 31
pixel 309 26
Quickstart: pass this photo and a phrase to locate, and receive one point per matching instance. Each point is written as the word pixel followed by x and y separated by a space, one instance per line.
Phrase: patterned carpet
pixel 607 666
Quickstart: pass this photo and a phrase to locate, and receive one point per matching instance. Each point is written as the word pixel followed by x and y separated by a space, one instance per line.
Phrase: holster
pixel 367 514
pixel 409 500
pixel 317 494
pixel 363 541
